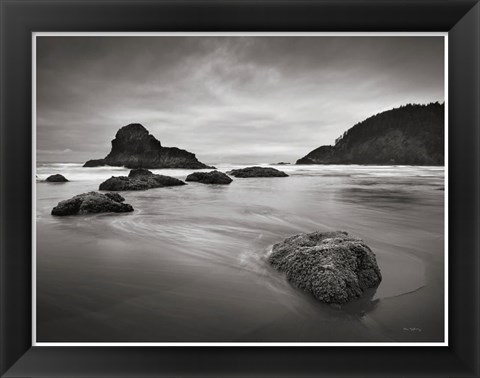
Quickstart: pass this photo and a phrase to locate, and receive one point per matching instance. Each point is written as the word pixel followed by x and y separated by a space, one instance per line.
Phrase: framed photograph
pixel 248 189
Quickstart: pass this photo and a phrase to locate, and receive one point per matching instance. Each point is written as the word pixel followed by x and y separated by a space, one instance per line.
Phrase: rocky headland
pixel 333 266
pixel 135 147
pixel 257 172
pixel 409 135
pixel 213 177
pixel 139 179
pixel 92 203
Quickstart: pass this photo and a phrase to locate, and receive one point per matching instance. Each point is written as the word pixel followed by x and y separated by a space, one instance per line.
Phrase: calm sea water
pixel 189 263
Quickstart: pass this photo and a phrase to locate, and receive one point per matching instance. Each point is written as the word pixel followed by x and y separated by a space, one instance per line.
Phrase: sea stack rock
pixel 56 178
pixel 135 147
pixel 139 179
pixel 92 203
pixel 333 266
pixel 213 177
pixel 257 172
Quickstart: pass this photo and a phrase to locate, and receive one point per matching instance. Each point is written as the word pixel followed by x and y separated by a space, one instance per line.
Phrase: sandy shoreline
pixel 188 264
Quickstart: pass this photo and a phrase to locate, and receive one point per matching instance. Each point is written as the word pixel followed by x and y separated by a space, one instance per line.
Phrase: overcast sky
pixel 226 99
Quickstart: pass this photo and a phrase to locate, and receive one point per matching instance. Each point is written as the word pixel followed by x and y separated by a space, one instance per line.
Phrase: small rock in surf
pixel 139 179
pixel 92 203
pixel 257 172
pixel 56 178
pixel 213 177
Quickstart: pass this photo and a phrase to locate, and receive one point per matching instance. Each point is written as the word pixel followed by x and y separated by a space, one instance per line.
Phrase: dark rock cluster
pixel 92 203
pixel 257 172
pixel 139 179
pixel 213 177
pixel 333 266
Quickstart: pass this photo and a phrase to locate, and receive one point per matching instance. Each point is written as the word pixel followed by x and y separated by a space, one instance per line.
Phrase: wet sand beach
pixel 189 264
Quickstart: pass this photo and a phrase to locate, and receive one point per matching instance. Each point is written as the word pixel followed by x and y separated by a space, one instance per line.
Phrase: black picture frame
pixel 19 18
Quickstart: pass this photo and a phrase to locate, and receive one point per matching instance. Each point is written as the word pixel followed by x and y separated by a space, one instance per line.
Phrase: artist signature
pixel 412 329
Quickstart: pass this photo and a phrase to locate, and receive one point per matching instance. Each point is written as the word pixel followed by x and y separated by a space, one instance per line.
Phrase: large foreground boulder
pixel 333 266
pixel 135 147
pixel 92 203
pixel 139 179
pixel 257 172
pixel 56 178
pixel 213 177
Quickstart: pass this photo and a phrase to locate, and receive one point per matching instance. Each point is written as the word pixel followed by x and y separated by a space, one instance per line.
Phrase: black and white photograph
pixel 240 189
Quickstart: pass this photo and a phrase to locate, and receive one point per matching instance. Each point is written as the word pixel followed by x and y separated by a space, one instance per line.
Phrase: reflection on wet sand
pixel 189 264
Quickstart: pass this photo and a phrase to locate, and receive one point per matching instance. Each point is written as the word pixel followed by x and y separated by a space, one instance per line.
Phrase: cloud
pixel 225 97
pixel 54 152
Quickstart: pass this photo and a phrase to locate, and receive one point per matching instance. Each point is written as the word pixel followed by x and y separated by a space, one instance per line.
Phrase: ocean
pixel 189 264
